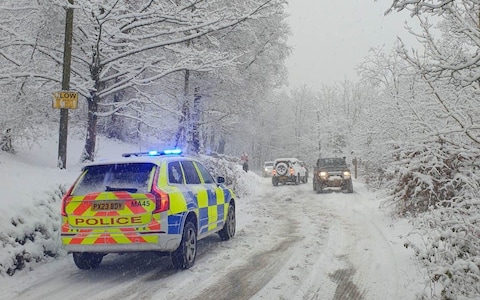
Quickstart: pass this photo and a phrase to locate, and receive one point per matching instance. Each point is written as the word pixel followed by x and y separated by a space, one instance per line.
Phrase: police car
pixel 147 201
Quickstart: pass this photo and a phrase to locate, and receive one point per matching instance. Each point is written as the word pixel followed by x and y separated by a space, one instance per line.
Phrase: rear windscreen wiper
pixel 115 189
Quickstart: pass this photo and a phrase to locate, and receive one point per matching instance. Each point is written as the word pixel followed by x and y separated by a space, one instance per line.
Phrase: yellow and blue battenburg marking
pixel 211 205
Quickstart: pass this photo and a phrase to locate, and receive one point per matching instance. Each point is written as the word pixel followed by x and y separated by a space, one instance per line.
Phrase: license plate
pixel 107 205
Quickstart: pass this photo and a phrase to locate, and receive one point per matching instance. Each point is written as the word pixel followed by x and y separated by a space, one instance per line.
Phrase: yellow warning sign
pixel 65 99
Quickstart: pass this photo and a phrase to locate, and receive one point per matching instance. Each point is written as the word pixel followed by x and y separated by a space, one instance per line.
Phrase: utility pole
pixel 67 59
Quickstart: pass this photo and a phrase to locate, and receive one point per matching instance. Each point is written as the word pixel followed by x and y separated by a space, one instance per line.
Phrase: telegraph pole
pixel 67 59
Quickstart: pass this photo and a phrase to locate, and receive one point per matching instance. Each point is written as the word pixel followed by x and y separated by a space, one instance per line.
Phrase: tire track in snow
pixel 247 280
pixel 368 251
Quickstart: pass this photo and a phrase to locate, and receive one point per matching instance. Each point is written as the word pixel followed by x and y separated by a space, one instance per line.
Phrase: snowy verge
pixel 32 236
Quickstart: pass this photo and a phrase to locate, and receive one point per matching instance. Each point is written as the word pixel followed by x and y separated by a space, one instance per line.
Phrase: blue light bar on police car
pixel 172 152
pixel 154 153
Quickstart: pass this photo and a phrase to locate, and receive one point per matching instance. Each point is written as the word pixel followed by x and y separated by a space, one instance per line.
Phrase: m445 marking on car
pixel 140 203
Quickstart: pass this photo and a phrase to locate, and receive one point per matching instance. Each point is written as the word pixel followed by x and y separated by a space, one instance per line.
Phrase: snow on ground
pixel 290 244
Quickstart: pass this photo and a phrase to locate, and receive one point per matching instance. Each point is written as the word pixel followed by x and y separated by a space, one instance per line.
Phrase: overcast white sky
pixel 330 38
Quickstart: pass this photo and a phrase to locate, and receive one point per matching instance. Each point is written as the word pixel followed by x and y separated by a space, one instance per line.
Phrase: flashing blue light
pixel 154 153
pixel 172 152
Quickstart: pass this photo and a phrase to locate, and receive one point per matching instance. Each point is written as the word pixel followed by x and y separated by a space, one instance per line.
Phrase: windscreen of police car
pixel 131 177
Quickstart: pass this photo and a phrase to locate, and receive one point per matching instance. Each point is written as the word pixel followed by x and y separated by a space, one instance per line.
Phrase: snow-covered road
pixel 290 244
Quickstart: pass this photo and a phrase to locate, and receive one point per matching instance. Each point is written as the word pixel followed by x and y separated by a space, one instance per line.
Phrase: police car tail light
pixel 291 171
pixel 65 199
pixel 162 201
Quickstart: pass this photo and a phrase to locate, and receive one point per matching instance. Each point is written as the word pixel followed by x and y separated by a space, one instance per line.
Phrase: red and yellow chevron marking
pixel 84 226
pixel 134 203
pixel 109 238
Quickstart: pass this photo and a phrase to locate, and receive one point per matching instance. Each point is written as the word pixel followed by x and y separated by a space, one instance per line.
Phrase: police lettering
pixel 108 221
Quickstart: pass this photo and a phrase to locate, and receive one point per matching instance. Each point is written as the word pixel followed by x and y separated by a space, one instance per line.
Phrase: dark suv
pixel 332 173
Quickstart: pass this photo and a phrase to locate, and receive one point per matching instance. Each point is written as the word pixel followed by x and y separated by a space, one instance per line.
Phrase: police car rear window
pixel 131 177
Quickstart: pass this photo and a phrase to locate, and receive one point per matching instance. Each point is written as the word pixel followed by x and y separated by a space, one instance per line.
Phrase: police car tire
pixel 184 256
pixel 281 169
pixel 228 230
pixel 87 261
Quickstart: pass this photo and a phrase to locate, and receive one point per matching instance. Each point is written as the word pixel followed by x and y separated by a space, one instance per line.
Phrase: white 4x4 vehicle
pixel 288 170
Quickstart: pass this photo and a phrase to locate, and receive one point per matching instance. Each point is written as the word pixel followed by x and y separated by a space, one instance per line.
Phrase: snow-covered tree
pixel 232 96
pixel 147 62
pixel 25 88
pixel 432 171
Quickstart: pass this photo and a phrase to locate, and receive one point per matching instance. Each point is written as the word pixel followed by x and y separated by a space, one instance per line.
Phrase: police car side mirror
pixel 220 179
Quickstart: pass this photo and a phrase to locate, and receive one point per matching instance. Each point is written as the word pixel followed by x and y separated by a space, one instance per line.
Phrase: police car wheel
pixel 228 230
pixel 184 256
pixel 87 261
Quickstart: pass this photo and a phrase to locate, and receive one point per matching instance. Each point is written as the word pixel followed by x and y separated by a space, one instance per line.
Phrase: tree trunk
pixel 180 137
pixel 114 128
pixel 221 145
pixel 194 144
pixel 91 139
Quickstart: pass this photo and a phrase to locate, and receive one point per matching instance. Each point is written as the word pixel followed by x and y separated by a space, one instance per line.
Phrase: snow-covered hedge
pixel 439 189
pixel 230 168
pixel 33 235
pixel 450 248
